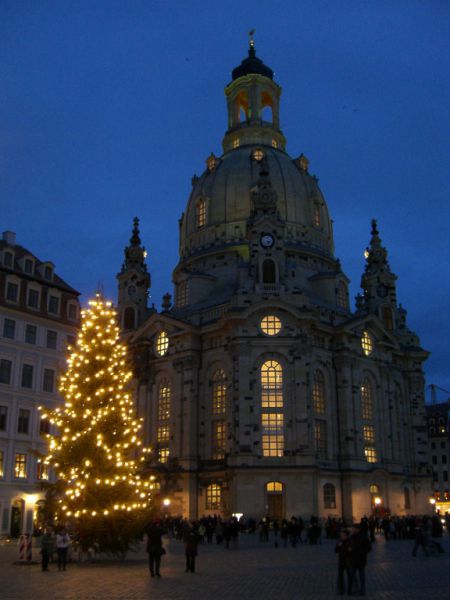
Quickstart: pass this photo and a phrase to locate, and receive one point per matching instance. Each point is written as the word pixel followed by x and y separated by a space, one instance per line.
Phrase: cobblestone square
pixel 253 571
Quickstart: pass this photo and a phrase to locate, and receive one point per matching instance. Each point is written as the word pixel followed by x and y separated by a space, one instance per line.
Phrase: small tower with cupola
pixel 134 283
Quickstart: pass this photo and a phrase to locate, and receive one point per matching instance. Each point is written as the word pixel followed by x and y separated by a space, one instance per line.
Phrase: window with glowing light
pixel 370 454
pixel 374 489
pixel 329 496
pixel 213 496
pixel 318 393
pixel 42 471
pixel 316 215
pixel 258 155
pixel 236 143
pixel 163 455
pixel 271 385
pixel 274 487
pixel 162 343
pixel 201 213
pixel 272 434
pixel 164 394
pixel 369 434
pixel 270 325
pixel 367 343
pixel 320 438
pixel 20 466
pixel 274 144
pixel 218 439
pixel 162 433
pixel 219 392
pixel 2 463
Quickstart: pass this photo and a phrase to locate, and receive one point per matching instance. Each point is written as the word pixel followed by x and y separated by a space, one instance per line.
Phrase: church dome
pixel 224 194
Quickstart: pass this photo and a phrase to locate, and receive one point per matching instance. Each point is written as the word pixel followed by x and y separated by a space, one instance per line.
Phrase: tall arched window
pixel 407 498
pixel 387 317
pixel 329 496
pixel 266 113
pixel 366 392
pixel 316 215
pixel 219 392
pixel 128 318
pixel 272 419
pixel 164 394
pixel 318 392
pixel 201 213
pixel 269 272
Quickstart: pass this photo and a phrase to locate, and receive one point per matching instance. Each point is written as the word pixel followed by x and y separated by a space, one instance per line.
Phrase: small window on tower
pixel 162 343
pixel 316 215
pixel 201 213
pixel 367 343
pixel 274 144
pixel 342 295
pixel 386 315
pixel 236 143
pixel 258 155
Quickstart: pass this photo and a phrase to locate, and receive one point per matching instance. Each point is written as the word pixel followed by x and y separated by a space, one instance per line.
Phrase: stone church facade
pixel 262 391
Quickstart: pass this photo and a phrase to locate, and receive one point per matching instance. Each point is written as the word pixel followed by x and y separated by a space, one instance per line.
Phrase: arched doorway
pixel 274 496
pixel 17 511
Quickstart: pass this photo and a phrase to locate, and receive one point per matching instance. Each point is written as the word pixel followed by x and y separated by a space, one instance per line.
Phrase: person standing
pixel 47 547
pixel 341 549
pixel 154 548
pixel 357 551
pixel 421 540
pixel 191 548
pixel 62 547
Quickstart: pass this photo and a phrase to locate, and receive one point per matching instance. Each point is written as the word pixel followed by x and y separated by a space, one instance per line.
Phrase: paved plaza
pixel 255 571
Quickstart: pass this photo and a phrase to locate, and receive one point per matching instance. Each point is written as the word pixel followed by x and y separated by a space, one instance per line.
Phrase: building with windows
pixel 438 420
pixel 39 315
pixel 263 391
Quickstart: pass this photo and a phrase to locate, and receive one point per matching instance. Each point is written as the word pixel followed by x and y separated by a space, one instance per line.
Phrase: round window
pixel 258 154
pixel 162 343
pixel 270 325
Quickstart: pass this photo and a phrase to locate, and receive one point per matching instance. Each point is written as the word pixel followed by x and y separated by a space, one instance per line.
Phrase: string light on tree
pixel 94 450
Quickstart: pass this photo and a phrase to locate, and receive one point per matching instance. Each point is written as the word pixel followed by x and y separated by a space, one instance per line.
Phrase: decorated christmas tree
pixel 96 453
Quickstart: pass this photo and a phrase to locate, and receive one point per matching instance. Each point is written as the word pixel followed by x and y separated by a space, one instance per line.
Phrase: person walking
pixel 357 550
pixel 191 549
pixel 154 548
pixel 62 547
pixel 421 540
pixel 47 547
pixel 341 549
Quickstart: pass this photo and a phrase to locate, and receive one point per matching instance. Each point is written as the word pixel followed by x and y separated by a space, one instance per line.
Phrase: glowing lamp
pixel 377 501
pixel 166 502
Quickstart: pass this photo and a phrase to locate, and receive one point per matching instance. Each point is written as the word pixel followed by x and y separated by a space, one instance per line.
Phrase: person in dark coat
pixel 357 550
pixel 47 547
pixel 421 540
pixel 191 548
pixel 341 549
pixel 154 548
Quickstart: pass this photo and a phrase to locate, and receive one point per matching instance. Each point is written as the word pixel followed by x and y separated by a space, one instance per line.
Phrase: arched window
pixel 367 343
pixel 266 113
pixel 218 439
pixel 366 399
pixel 182 294
pixel 274 487
pixel 318 392
pixel 128 318
pixel 374 489
pixel 366 392
pixel 269 272
pixel 317 221
pixel 201 213
pixel 342 295
pixel 271 385
pixel 219 392
pixel 272 420
pixel 214 496
pixel 164 394
pixel 329 496
pixel 242 107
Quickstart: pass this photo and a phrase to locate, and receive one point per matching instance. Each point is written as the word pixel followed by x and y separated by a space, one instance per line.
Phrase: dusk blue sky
pixel 108 108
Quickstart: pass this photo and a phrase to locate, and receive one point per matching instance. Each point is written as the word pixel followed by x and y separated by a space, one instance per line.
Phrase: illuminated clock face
pixel 131 290
pixel 267 240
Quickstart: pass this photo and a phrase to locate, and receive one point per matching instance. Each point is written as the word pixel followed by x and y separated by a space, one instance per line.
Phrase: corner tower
pixel 134 283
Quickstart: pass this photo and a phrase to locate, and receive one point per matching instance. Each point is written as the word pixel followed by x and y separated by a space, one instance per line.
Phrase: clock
pixel 267 240
pixel 131 290
pixel 382 291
